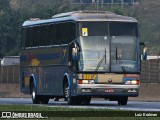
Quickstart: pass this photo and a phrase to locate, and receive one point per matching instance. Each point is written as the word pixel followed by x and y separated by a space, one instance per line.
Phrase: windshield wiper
pixel 101 61
pixel 118 58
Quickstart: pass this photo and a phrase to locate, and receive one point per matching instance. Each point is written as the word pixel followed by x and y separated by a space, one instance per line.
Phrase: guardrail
pixel 150 71
pixel 9 74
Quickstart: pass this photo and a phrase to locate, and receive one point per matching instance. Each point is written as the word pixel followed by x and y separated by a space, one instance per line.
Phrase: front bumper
pixel 104 90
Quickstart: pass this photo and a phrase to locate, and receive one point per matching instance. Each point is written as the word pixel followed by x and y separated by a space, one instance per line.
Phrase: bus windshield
pixel 94 55
pixel 108 47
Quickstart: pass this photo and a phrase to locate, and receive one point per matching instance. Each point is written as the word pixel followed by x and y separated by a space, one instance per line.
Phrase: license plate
pixel 109 90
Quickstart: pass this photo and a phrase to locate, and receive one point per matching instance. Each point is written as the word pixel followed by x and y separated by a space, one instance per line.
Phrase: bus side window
pixel 73 31
pixel 43 36
pixel 52 34
pixel 23 39
pixel 57 40
pixel 68 32
pixel 32 37
pixel 35 35
pixel 29 37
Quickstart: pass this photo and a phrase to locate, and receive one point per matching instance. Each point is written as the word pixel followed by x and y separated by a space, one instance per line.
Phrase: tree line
pixel 14 12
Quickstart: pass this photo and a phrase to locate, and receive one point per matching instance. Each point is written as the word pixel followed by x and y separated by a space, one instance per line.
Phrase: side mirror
pixel 74 53
pixel 143 51
pixel 144 54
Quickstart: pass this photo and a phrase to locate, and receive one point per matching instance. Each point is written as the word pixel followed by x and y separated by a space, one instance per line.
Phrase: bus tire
pixel 70 99
pixel 86 100
pixel 35 99
pixel 44 100
pixel 122 101
pixel 78 100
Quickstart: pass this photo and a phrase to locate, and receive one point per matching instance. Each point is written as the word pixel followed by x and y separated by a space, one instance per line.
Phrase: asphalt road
pixel 95 104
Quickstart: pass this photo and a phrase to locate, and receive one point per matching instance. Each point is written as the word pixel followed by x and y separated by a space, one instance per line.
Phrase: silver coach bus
pixel 80 55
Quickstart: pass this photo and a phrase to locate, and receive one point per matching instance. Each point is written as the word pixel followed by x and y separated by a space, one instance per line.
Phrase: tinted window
pixel 65 32
pixel 45 35
pixel 40 36
pixel 29 37
pixel 95 28
pixel 51 34
pixel 123 29
pixel 58 34
pixel 23 39
pixel 35 36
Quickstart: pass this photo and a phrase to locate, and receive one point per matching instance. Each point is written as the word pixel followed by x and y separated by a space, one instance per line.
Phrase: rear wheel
pixel 78 100
pixel 122 101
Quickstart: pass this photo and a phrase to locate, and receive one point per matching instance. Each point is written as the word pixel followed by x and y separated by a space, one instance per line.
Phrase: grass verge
pixel 59 113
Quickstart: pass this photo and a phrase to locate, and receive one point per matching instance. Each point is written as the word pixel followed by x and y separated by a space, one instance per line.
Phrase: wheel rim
pixel 33 95
pixel 66 92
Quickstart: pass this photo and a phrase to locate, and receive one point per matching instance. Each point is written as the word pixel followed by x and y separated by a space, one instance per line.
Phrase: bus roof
pixel 81 16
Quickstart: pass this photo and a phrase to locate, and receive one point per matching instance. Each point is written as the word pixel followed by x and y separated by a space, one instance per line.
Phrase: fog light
pixel 132 82
pixel 132 91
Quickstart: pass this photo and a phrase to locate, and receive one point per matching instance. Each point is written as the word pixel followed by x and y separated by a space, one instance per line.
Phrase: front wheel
pixel 86 100
pixel 43 100
pixel 122 101
pixel 70 99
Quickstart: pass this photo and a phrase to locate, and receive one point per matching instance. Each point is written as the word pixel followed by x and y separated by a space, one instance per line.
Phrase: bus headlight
pixel 132 82
pixel 85 81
